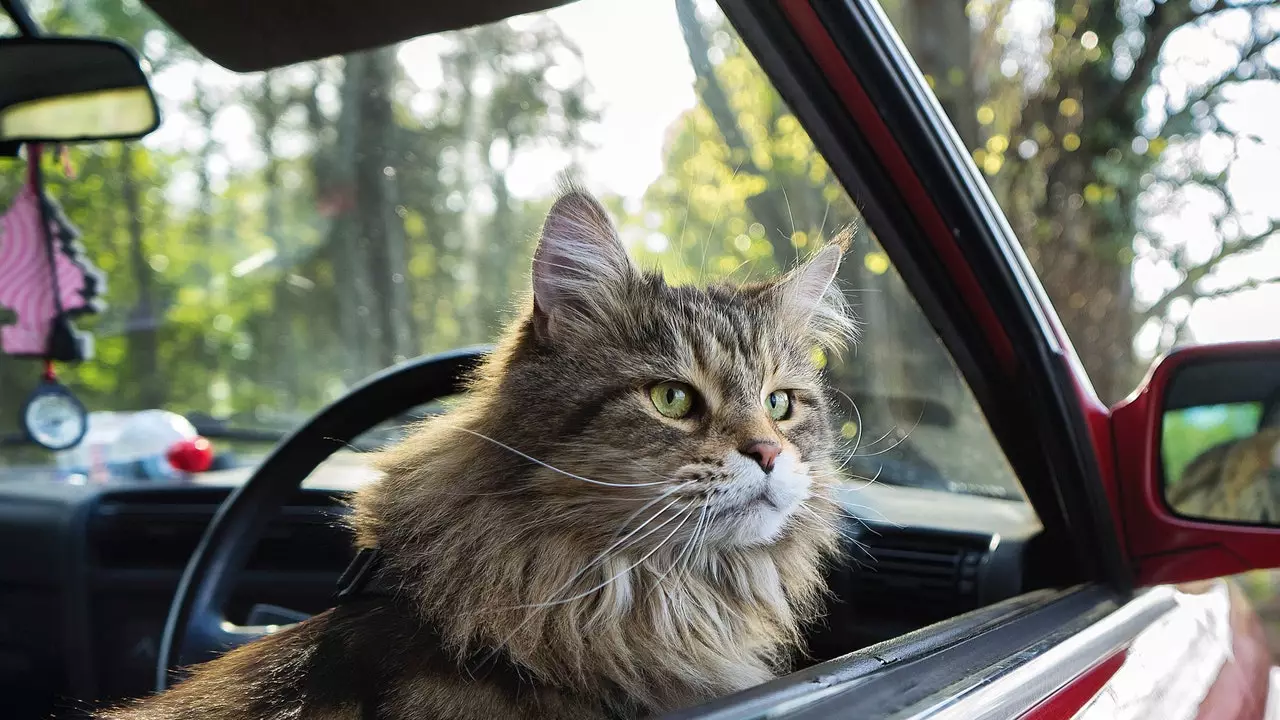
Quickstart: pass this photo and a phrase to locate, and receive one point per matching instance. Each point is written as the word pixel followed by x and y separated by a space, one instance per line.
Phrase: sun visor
pixel 253 35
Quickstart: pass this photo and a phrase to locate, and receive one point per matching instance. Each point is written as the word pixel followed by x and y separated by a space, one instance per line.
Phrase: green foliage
pixel 257 277
pixel 1186 433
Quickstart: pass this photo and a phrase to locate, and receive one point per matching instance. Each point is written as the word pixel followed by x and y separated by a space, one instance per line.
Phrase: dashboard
pixel 89 572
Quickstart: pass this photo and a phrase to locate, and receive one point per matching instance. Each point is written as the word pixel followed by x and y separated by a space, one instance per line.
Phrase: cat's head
pixel 701 407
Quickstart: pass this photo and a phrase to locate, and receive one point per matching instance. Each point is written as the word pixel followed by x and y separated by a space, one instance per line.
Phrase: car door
pixel 1094 646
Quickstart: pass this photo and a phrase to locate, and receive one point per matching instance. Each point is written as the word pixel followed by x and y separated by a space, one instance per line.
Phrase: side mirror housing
pixel 1198 463
pixel 70 89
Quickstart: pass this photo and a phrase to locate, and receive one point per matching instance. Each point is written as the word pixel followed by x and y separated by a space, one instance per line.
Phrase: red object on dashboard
pixel 191 455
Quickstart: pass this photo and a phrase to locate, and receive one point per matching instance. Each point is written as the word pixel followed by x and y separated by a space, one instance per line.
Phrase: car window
pixel 286 234
pixel 1128 144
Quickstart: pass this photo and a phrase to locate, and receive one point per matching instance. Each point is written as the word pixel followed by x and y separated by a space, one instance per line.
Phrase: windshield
pixel 285 234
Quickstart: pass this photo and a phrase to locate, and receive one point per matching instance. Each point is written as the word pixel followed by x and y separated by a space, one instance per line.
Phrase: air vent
pixel 158 530
pixel 932 573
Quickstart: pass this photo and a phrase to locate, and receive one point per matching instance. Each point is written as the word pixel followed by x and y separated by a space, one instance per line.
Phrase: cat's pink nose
pixel 764 452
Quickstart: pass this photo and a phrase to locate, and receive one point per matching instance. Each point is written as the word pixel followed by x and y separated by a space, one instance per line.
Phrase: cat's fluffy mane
pixel 490 560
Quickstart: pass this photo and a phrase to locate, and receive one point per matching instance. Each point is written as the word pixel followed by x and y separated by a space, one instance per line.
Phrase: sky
pixel 638 68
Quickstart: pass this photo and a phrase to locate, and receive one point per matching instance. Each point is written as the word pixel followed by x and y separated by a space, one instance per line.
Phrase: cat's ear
pixel 809 296
pixel 580 263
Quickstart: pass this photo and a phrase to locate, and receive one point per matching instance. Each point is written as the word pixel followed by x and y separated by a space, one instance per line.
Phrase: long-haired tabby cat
pixel 626 514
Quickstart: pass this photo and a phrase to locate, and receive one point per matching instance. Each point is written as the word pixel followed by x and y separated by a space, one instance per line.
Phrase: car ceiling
pixel 253 35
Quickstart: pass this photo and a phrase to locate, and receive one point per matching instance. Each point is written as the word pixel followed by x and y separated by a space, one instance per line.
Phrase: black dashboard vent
pixel 158 530
pixel 931 573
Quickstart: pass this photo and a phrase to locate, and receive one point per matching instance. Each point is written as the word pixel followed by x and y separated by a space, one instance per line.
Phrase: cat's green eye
pixel 778 404
pixel 672 399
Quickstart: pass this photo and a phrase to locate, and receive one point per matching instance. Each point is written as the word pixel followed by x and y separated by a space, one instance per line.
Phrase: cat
pixel 628 513
pixel 1238 481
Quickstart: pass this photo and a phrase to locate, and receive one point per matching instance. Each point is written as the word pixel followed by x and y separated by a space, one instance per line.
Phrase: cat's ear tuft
pixel 810 296
pixel 580 261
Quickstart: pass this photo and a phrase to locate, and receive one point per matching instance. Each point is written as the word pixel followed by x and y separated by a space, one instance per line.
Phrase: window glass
pixel 286 234
pixel 1132 146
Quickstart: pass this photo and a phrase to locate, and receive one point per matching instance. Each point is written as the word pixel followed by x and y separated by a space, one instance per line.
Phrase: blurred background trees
pixel 1111 131
pixel 260 278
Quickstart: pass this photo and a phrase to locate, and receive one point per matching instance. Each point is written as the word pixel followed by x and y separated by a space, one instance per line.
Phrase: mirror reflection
pixel 1220 441
pixel 105 113
pixel 72 89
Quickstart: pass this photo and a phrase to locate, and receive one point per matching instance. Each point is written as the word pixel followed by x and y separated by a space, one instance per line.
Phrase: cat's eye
pixel 778 404
pixel 672 399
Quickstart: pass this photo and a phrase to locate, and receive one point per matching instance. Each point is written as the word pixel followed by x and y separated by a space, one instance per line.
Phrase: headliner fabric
pixel 253 35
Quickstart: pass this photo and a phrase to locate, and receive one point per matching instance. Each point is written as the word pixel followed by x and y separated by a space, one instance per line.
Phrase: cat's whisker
pixel 679 558
pixel 706 531
pixel 857 414
pixel 646 506
pixel 605 553
pixel 686 514
pixel 585 568
pixel 880 439
pixel 867 481
pixel 839 507
pixel 900 440
pixel 844 477
pixel 881 518
pixel 866 550
pixel 498 647
pixel 548 466
pixel 846 514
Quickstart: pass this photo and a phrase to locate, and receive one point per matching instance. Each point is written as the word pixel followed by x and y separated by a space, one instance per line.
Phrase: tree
pixel 1087 134
pixel 254 280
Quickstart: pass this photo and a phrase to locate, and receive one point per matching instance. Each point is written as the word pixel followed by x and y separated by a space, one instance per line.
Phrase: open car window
pixel 286 234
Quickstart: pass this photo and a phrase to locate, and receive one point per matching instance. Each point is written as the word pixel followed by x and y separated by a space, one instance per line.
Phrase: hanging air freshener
pixel 45 281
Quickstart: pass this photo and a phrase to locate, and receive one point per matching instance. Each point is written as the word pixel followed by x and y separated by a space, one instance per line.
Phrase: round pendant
pixel 54 418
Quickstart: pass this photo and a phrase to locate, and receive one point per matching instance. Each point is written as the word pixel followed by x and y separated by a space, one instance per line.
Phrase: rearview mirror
pixel 1220 438
pixel 63 90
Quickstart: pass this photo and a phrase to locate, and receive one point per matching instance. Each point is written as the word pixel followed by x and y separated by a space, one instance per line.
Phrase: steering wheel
pixel 197 629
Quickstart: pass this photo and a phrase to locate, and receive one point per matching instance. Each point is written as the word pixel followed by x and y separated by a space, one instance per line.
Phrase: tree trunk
pixel 769 207
pixel 381 229
pixel 357 321
pixel 940 37
pixel 144 347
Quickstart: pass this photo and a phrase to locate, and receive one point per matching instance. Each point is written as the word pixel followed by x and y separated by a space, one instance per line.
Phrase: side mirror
pixel 1198 460
pixel 1220 439
pixel 65 89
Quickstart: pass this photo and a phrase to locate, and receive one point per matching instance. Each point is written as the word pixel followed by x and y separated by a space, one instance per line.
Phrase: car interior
pixel 938 523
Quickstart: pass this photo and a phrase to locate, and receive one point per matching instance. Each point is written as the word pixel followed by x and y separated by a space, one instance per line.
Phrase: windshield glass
pixel 286 234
